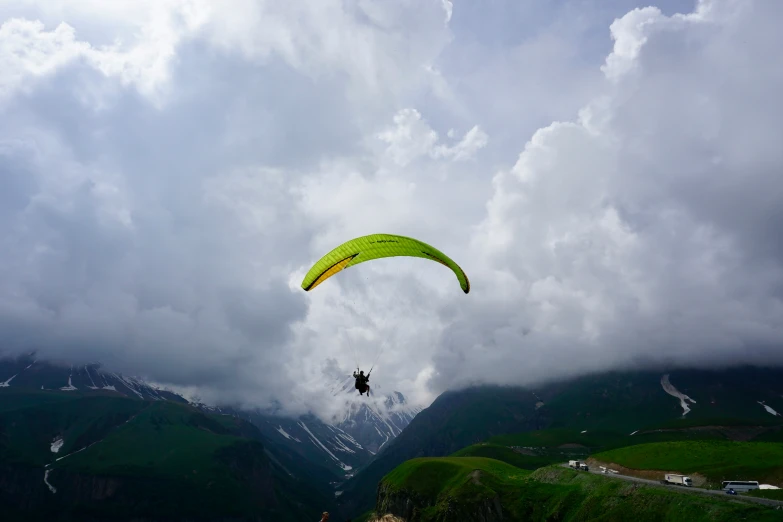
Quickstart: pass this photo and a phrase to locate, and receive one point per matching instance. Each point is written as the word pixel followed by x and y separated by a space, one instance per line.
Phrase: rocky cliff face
pixel 22 487
pixel 411 506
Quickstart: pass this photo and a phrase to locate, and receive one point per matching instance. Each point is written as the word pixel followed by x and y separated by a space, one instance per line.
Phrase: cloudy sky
pixel 608 174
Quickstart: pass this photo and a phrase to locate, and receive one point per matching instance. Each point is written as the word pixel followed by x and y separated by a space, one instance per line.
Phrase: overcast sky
pixel 609 175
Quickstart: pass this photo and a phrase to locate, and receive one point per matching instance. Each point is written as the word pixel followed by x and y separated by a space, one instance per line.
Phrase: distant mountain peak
pixel 30 372
pixel 349 440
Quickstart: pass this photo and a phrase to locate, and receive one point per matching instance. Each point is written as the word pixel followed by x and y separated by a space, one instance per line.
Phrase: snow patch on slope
pixel 315 440
pixel 46 481
pixel 70 386
pixel 669 388
pixel 770 410
pixel 87 370
pixel 286 435
pixel 57 443
pixel 6 384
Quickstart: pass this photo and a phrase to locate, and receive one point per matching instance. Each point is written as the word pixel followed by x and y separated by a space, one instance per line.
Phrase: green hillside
pixel 454 421
pixel 458 488
pixel 625 402
pixel 560 437
pixel 613 409
pixel 27 432
pixel 124 458
pixel 565 441
pixel 716 460
pixel 521 458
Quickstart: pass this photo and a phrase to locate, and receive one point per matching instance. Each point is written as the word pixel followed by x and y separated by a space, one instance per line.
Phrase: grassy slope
pixel 163 438
pixel 509 456
pixel 774 494
pixel 30 423
pixel 615 404
pixel 716 460
pixel 170 459
pixel 450 480
pixel 12 399
pixel 571 440
pixel 555 437
pixel 455 420
pixel 553 493
pixel 624 402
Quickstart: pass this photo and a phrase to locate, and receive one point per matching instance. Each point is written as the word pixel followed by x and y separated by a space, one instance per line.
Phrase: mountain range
pixel 133 448
pixel 346 443
pixel 611 404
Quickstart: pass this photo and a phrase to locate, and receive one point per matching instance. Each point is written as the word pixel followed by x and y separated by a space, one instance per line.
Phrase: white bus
pixel 740 486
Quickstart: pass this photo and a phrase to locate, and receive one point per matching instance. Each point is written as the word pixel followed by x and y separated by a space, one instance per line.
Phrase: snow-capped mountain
pixel 348 441
pixel 376 420
pixel 29 372
pixel 351 439
pixel 315 440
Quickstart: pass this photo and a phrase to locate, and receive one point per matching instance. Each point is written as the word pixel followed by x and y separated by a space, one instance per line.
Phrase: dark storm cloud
pixel 162 199
pixel 643 233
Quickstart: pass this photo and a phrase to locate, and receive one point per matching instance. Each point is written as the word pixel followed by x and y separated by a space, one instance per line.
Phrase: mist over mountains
pixel 606 179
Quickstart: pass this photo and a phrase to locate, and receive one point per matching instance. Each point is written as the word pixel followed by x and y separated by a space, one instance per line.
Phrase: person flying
pixel 361 382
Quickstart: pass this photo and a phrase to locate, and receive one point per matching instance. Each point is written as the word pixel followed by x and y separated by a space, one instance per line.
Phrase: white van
pixel 680 480
pixel 740 486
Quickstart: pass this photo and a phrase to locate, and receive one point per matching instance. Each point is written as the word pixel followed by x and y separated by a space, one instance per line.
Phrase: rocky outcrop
pixel 410 506
pixel 401 503
pixel 138 496
pixel 22 487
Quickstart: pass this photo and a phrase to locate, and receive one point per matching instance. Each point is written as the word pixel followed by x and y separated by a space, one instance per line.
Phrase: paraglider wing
pixel 375 246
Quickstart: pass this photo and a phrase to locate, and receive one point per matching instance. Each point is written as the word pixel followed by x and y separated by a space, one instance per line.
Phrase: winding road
pixel 692 490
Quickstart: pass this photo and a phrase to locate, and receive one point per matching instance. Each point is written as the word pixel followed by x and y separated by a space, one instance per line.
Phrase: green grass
pixel 505 454
pixel 434 475
pixel 453 481
pixel 28 429
pixel 716 460
pixel 12 399
pixel 568 443
pixel 681 423
pixel 163 439
pixel 775 435
pixel 556 437
pixel 441 487
pixel 774 494
pixel 163 460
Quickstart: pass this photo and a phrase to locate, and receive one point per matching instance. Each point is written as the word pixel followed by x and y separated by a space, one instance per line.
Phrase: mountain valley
pixel 83 442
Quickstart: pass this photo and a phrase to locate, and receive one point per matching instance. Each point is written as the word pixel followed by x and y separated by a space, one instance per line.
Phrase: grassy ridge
pixel 164 438
pixel 774 494
pixel 431 476
pixel 452 488
pixel 12 399
pixel 719 430
pixel 452 484
pixel 509 456
pixel 147 459
pixel 27 429
pixel 556 437
pixel 716 460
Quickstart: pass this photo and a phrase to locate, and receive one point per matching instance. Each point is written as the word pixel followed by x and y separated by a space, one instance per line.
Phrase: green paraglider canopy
pixel 376 246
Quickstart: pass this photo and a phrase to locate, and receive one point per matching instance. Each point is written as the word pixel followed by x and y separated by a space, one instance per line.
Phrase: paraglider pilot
pixel 361 382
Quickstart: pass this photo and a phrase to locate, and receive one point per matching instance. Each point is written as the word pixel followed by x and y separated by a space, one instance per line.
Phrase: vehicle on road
pixel 740 486
pixel 731 491
pixel 577 464
pixel 678 480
